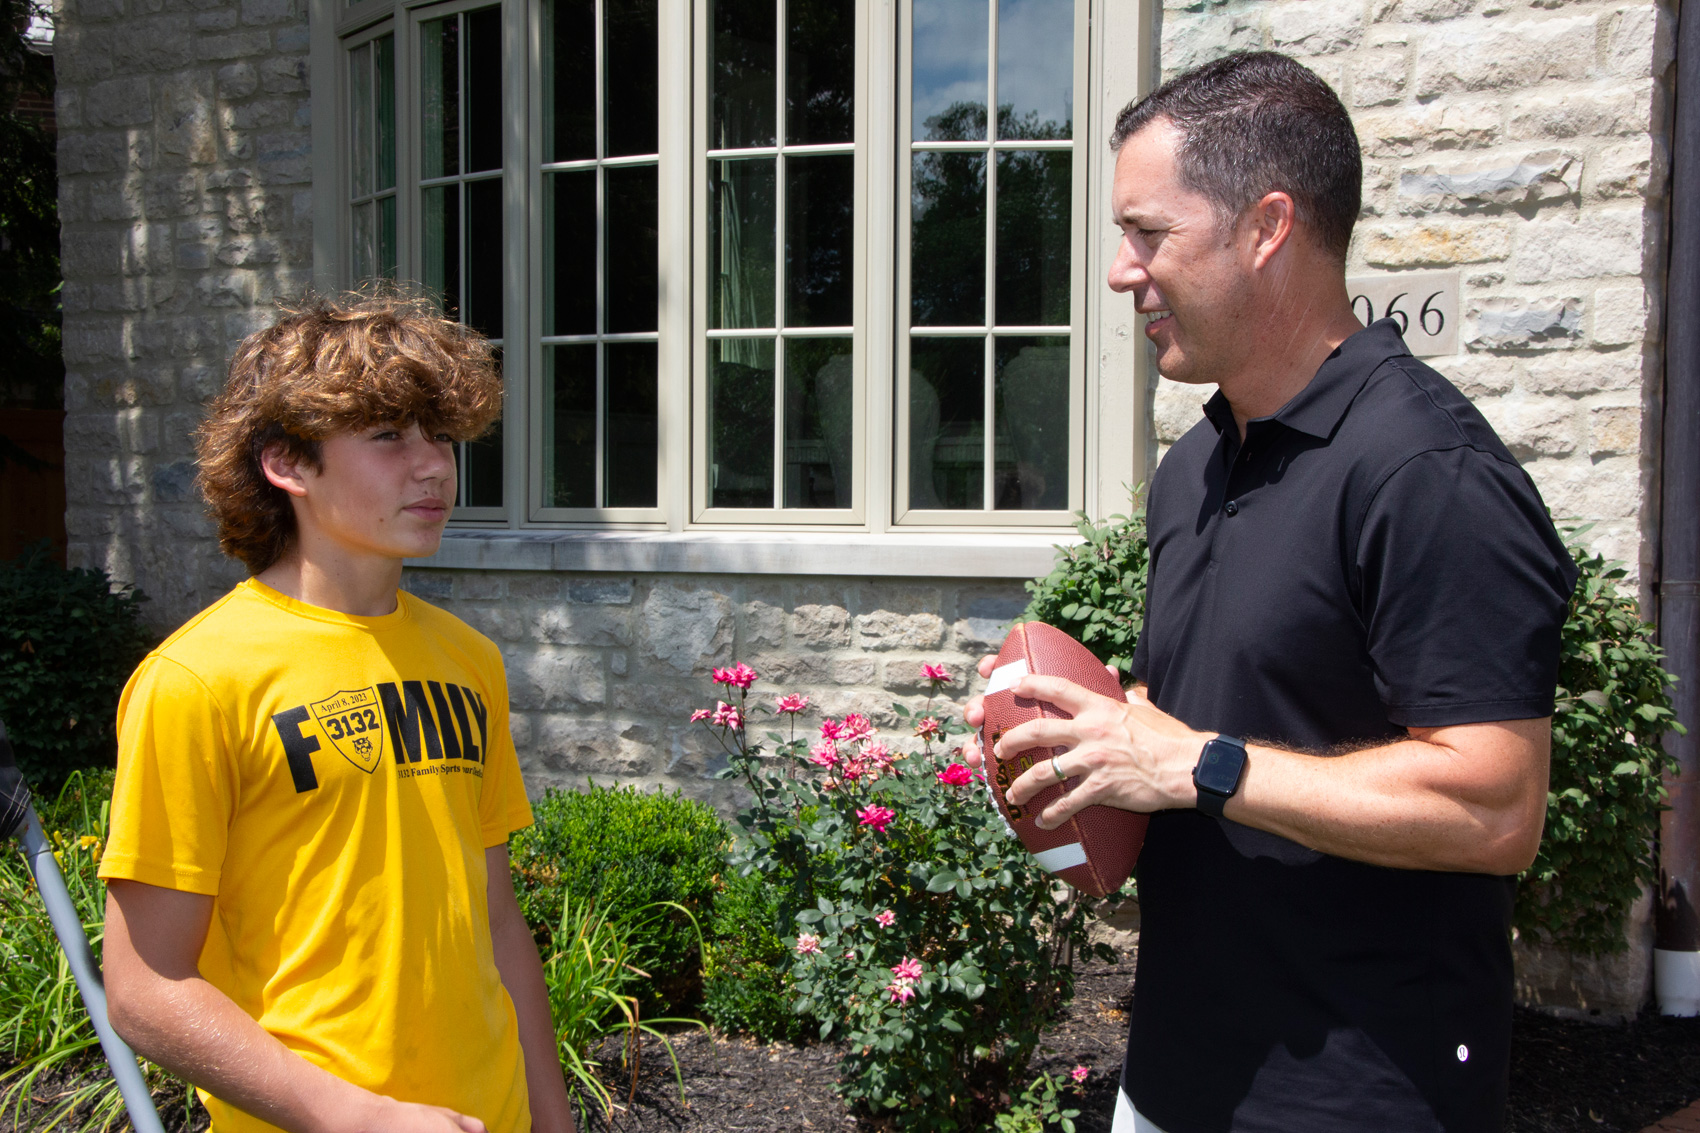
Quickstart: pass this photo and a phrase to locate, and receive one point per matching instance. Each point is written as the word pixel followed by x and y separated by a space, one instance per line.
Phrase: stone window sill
pixel 933 555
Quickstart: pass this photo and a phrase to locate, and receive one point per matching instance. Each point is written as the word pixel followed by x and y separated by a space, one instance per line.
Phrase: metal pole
pixel 1676 950
pixel 18 816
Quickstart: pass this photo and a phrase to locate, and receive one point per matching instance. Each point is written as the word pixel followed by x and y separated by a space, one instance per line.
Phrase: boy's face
pixel 385 490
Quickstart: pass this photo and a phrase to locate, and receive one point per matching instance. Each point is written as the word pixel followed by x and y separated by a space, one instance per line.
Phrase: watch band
pixel 1221 764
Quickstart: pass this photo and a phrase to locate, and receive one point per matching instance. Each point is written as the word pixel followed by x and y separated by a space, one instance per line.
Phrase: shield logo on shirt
pixel 354 723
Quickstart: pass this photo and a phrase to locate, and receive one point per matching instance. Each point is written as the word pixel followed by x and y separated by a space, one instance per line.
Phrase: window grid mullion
pixel 987 486
pixel 599 109
pixel 779 204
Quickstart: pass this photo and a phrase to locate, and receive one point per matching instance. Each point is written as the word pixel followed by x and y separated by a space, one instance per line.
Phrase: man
pixel 310 914
pixel 1341 719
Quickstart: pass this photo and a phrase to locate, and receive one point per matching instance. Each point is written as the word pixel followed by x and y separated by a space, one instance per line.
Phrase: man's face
pixel 385 490
pixel 1179 262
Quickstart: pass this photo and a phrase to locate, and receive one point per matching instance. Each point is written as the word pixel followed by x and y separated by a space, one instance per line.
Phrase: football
pixel 1095 850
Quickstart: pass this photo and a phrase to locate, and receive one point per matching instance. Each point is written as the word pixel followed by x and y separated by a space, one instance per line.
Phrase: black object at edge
pixel 14 796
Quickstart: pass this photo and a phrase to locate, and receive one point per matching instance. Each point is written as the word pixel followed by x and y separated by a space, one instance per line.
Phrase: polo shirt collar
pixel 1318 408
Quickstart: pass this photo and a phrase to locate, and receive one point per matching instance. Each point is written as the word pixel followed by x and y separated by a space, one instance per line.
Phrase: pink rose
pixel 902 991
pixel 701 714
pixel 807 943
pixel 928 728
pixel 824 754
pixel 726 716
pixel 936 673
pixel 879 817
pixel 830 729
pixel 956 775
pixel 1079 1073
pixel 792 704
pixel 886 919
pixel 908 968
pixel 855 727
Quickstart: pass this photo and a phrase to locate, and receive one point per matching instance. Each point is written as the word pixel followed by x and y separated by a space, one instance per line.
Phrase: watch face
pixel 1219 767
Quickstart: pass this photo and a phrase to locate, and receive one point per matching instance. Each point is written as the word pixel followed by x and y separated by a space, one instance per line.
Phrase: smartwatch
pixel 1217 774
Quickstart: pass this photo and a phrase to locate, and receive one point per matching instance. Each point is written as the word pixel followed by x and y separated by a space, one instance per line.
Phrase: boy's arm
pixel 522 975
pixel 161 1005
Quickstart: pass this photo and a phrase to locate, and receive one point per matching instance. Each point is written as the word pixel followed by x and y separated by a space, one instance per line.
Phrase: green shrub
pixel 626 852
pixel 1096 591
pixel 925 935
pixel 68 642
pixel 746 969
pixel 1606 791
pixel 1613 706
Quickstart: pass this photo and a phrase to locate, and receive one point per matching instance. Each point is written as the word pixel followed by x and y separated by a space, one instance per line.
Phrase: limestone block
pixel 1529 177
pixel 152 45
pixel 431 585
pixel 237 80
pixel 1403 131
pixel 1194 39
pixel 293 38
pixel 1501 322
pixel 1532 427
pixel 1430 10
pixel 1581 373
pixel 236 45
pixel 119 102
pixel 1621 108
pixel 248 252
pixel 1609 988
pixel 1436 242
pixel 600 591
pixel 477 585
pixel 572 747
pixel 119 295
pixel 172 194
pixel 617 663
pixel 1178 407
pixel 1620 315
pixel 285 74
pixel 1605 488
pixel 538 587
pixel 499 623
pixel 978 636
pixel 1614 430
pixel 220 19
pixel 884 629
pixel 1634 169
pixel 1638 42
pixel 1472 56
pixel 285 158
pixel 791 672
pixel 199 384
pixel 1596 243
pixel 582 625
pixel 256 12
pixel 1314 27
pixel 258 113
pixel 544 676
pixel 90 153
pixel 1378 77
pixel 227 289
pixel 1481 375
pixel 821 627
pixel 688 630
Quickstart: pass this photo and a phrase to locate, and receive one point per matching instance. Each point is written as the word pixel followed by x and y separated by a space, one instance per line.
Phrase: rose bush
pixel 924 935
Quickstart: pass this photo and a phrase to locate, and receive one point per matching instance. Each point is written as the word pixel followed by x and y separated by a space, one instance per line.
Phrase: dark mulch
pixel 1566 1075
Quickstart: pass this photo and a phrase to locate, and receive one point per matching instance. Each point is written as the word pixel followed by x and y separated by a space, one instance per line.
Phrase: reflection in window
pixel 990 254
pixel 601 411
pixel 781 257
pixel 371 68
pixel 461 200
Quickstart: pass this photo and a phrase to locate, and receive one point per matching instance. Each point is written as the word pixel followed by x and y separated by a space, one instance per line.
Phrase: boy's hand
pixel 386 1115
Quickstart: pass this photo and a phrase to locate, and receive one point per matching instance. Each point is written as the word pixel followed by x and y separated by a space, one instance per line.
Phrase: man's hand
pixel 1466 797
pixel 161 1005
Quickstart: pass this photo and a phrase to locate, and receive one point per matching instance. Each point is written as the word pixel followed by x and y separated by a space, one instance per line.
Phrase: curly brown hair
pixel 332 366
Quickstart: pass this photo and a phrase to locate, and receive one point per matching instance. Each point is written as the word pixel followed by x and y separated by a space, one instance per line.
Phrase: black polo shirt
pixel 1370 559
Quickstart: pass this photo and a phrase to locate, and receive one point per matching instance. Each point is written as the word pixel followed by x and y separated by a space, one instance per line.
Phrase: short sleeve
pixel 502 806
pixel 1464 589
pixel 176 788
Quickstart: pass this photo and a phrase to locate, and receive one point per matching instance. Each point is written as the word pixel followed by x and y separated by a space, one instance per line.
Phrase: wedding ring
pixel 1057 767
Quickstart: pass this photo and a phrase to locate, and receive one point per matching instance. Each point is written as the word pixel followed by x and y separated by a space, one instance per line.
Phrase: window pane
pixel 386 237
pixel 484 125
pixel 741 73
pixel 948 87
pixel 365 218
pixel 441 240
pixel 439 82
pixel 630 57
pixel 819 431
pixel 483 459
pixel 1032 454
pixel 361 125
pixel 484 255
pixel 634 424
pixel 569 250
pixel 947 255
pixel 947 428
pixel 820 202
pixel 740 423
pixel 569 80
pixel 740 243
pixel 569 426
pixel 383 64
pixel 820 72
pixel 1035 68
pixel 1035 190
pixel 632 283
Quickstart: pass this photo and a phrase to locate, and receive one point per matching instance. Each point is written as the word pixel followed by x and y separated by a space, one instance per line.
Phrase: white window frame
pixel 1112 377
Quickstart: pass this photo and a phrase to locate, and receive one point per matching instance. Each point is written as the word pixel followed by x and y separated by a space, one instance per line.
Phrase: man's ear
pixel 1270 225
pixel 283 470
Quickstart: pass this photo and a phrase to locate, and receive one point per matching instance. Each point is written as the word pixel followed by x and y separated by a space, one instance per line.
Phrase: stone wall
pixel 605 670
pixel 185 205
pixel 1522 142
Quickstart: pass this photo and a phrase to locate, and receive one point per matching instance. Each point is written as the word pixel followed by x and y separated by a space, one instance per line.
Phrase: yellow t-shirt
pixel 333 782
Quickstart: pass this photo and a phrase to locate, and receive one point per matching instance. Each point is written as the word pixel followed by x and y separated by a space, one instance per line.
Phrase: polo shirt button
pixel 1232 507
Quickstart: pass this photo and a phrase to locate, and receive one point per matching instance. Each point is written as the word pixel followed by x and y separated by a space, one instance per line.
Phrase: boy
pixel 309 909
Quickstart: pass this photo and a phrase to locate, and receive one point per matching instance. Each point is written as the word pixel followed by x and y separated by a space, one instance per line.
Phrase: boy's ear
pixel 283 470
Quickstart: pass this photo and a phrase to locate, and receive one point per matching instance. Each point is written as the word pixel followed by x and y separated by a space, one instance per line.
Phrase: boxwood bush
pixel 69 640
pixel 1613 706
pixel 626 851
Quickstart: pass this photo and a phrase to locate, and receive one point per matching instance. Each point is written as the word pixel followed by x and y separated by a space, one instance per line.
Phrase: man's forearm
pixel 1414 804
